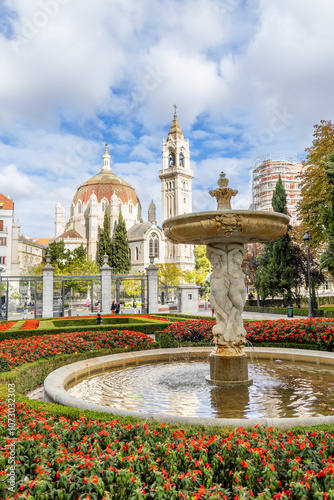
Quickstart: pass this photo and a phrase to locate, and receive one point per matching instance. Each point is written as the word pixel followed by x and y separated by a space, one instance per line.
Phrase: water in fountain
pixel 285 389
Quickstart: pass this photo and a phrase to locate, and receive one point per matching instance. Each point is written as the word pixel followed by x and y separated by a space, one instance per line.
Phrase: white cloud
pixel 249 78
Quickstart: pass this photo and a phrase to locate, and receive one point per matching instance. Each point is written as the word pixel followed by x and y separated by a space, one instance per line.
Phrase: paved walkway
pixel 245 315
pixel 256 315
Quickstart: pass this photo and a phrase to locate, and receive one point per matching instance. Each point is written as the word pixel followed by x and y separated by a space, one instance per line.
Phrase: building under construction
pixel 266 171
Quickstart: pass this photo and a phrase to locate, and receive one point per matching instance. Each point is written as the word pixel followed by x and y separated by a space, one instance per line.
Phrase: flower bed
pixel 14 352
pixel 318 331
pixel 191 331
pixel 6 326
pixel 303 331
pixel 30 325
pixel 90 459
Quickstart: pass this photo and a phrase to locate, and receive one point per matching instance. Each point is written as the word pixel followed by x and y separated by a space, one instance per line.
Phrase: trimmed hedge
pixel 148 328
pixel 319 313
pixel 118 320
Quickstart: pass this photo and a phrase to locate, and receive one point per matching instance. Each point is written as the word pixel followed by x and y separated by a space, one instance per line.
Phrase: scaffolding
pixel 265 173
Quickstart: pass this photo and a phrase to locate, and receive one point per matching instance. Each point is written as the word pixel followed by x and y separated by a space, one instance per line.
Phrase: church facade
pixel 107 191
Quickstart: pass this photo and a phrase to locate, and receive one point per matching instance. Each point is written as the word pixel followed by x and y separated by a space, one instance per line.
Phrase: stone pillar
pixel 188 299
pixel 152 287
pixel 105 271
pixel 47 310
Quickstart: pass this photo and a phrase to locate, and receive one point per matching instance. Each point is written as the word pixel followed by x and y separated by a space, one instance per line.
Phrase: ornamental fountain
pixel 291 387
pixel 224 232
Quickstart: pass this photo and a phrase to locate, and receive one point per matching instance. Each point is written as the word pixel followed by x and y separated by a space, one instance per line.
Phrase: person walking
pixel 113 307
pixel 118 306
pixel 25 311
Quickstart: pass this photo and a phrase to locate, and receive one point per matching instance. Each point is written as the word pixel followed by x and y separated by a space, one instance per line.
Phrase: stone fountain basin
pixel 226 226
pixel 56 383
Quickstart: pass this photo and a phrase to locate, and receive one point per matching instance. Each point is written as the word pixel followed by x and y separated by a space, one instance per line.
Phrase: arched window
pixel 79 207
pixel 181 160
pixel 171 160
pixel 104 205
pixel 137 253
pixel 154 245
pixel 130 208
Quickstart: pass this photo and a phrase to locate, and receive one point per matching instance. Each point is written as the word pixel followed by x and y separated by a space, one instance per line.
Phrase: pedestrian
pixel 88 303
pixel 113 307
pixel 25 311
pixel 118 306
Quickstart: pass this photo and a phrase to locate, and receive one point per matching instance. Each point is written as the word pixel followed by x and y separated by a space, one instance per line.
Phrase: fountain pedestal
pixel 229 370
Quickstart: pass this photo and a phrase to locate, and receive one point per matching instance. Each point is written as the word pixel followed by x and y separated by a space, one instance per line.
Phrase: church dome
pixel 104 185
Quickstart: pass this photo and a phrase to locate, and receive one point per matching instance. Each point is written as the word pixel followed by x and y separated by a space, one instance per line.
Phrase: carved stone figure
pixel 227 297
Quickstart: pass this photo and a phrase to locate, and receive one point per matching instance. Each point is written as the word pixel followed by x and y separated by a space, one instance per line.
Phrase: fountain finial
pixel 223 194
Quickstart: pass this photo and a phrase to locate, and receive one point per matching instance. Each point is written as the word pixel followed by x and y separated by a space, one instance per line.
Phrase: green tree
pixel 59 255
pixel 132 287
pixel 105 242
pixel 121 260
pixel 201 260
pixel 170 274
pixel 275 274
pixel 314 182
pixel 327 218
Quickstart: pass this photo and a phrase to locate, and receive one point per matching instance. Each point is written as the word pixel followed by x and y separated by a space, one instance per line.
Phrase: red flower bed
pixel 302 331
pixel 91 459
pixel 14 352
pixel 6 326
pixel 30 325
pixel 191 331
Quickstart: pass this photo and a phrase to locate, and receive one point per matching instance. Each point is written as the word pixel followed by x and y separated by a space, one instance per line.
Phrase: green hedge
pixel 182 317
pixel 147 328
pixel 319 313
pixel 119 320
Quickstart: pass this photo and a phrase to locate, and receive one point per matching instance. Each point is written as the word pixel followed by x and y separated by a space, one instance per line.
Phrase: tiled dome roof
pixel 104 185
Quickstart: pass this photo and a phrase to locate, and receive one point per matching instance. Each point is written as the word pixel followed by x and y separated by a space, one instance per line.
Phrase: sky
pixel 249 78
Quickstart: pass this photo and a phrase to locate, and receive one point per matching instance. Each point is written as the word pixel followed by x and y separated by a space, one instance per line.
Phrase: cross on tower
pixel 175 110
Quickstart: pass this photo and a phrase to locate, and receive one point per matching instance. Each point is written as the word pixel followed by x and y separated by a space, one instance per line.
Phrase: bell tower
pixel 176 189
pixel 176 176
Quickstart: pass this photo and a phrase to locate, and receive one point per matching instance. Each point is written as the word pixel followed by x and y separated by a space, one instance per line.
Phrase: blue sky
pixel 249 78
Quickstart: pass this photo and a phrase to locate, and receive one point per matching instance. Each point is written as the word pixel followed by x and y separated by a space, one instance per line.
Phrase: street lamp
pixel 307 240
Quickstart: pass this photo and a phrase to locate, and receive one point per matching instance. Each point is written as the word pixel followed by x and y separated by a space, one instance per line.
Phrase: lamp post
pixel 307 240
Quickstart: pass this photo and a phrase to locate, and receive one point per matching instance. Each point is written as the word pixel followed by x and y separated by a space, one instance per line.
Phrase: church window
pixel 79 207
pixel 137 253
pixel 104 205
pixel 130 253
pixel 130 208
pixel 181 160
pixel 154 245
pixel 171 160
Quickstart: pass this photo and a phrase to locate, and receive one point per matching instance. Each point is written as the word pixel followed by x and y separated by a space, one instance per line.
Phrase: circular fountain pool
pixel 291 387
pixel 280 389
